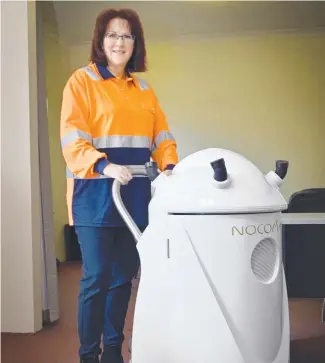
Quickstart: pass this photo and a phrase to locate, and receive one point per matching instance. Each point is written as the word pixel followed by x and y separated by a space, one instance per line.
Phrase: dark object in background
pixel 304 247
pixel 72 248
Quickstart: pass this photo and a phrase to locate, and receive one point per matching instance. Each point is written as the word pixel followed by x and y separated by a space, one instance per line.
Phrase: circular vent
pixel 264 260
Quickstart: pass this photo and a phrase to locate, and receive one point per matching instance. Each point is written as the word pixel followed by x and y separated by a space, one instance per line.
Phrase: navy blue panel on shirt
pixel 127 155
pixel 93 203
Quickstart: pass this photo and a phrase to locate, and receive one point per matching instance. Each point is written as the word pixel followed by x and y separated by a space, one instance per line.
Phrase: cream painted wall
pixel 56 54
pixel 259 95
pixel 21 268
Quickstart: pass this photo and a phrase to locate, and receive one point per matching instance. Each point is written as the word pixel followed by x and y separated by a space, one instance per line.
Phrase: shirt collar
pixel 106 74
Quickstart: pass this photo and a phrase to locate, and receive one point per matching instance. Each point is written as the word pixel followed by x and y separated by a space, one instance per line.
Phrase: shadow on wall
pixel 56 74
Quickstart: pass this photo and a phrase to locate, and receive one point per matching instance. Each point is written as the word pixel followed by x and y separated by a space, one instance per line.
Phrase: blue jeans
pixel 110 262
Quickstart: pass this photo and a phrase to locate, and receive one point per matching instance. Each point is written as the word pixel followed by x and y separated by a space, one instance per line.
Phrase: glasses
pixel 115 37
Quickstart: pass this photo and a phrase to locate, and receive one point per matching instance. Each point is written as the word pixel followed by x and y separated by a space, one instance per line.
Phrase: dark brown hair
pixel 137 62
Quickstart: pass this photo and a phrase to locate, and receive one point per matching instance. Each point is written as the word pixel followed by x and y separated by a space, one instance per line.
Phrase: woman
pixel 110 120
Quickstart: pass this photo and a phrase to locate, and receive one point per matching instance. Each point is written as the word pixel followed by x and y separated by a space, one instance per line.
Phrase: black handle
pixel 152 170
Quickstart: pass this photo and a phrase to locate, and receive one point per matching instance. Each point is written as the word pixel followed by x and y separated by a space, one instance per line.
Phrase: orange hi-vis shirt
pixel 105 119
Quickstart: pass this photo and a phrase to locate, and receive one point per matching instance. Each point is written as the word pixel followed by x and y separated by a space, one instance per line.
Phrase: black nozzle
pixel 281 168
pixel 220 170
pixel 152 170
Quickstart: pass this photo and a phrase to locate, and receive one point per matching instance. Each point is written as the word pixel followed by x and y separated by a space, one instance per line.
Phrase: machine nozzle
pixel 275 178
pixel 220 170
pixel 281 168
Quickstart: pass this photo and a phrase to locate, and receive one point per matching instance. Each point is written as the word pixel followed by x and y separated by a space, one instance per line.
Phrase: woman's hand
pixel 119 172
pixel 168 172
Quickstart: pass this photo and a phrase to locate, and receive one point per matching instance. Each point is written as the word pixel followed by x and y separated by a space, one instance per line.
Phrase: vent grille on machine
pixel 264 260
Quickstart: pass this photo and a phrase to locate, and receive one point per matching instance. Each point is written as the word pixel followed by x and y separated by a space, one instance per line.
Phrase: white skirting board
pixel 50 279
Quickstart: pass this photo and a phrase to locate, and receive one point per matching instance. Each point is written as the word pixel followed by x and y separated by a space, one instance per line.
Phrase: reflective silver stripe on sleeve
pixel 121 141
pixel 161 137
pixel 73 136
pixel 143 84
pixel 91 73
pixel 69 173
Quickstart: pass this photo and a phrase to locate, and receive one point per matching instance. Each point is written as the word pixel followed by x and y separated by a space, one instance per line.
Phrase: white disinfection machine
pixel 212 285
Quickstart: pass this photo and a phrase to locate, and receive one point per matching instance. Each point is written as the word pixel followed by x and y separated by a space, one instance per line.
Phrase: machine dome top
pixel 221 181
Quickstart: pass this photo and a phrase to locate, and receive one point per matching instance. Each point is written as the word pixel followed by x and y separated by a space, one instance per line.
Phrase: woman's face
pixel 118 43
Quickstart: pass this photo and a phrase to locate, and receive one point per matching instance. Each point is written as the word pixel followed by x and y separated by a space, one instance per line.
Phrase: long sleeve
pixel 164 147
pixel 81 157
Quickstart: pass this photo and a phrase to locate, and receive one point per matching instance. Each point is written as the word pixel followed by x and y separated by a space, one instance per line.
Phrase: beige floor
pixel 59 343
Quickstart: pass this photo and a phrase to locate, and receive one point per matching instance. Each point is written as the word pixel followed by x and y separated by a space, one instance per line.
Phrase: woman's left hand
pixel 168 172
